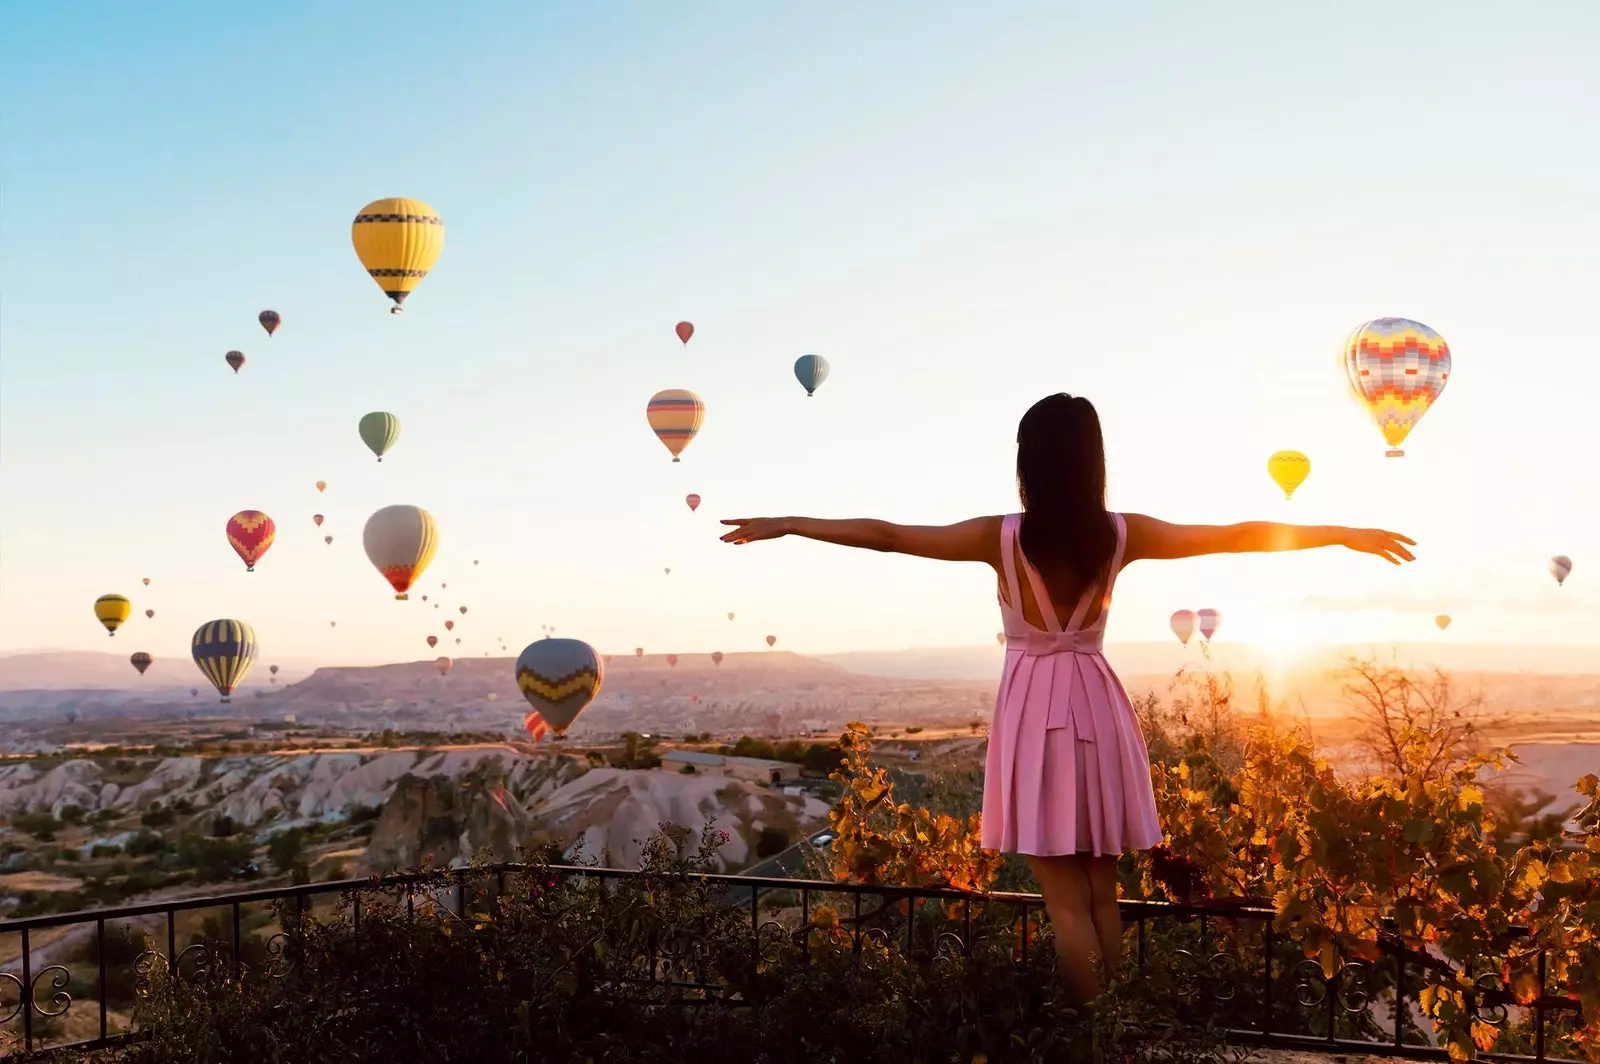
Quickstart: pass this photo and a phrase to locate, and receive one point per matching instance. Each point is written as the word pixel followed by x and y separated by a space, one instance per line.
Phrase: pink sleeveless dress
pixel 1068 770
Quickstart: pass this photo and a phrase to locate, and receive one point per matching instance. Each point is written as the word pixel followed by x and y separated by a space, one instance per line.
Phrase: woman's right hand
pixel 1390 546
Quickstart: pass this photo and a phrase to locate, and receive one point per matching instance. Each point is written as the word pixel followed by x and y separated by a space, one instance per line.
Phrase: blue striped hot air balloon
pixel 811 371
pixel 224 650
pixel 559 677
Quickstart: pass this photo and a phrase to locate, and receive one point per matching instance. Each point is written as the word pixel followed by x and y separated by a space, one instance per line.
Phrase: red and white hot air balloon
pixel 1210 621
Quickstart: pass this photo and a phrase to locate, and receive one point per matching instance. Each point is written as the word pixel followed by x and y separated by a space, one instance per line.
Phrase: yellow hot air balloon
pixel 112 610
pixel 1289 469
pixel 398 240
pixel 400 541
pixel 675 415
pixel 1443 621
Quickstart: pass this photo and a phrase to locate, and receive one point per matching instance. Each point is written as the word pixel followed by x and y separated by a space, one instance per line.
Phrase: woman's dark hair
pixel 1061 478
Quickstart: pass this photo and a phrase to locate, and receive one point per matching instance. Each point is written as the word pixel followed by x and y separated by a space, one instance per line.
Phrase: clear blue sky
pixel 1177 209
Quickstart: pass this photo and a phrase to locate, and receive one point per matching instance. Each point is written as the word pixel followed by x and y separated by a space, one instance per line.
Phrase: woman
pixel 1067 783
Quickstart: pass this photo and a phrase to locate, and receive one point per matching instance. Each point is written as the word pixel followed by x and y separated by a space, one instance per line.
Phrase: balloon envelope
pixel 270 320
pixel 1560 568
pixel 111 611
pixel 1289 469
pixel 675 415
pixel 250 533
pixel 1398 369
pixel 811 371
pixel 379 430
pixel 398 240
pixel 400 542
pixel 1183 625
pixel 224 651
pixel 559 677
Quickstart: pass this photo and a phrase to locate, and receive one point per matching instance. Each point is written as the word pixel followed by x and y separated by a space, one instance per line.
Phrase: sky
pixel 1178 210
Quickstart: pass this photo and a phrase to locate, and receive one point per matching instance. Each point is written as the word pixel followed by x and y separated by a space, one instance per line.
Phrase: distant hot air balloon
pixel 667 570
pixel 672 661
pixel 328 540
pixel 400 542
pixel 638 652
pixel 1183 625
pixel 449 625
pixel 730 616
pixel 272 669
pixel 693 501
pixel 316 519
pixel 559 677
pixel 1210 621
pixel 685 330
pixel 424 598
pixel 1000 637
pixel 250 533
pixel 1398 369
pixel 270 320
pixel 333 624
pixel 224 651
pixel 149 615
pixel 463 610
pixel 1560 568
pixel 433 641
pixel 234 359
pixel 379 430
pixel 771 639
pixel 444 665
pixel 398 240
pixel 1289 469
pixel 675 415
pixel 322 485
pixel 716 657
pixel 111 611
pixel 811 371
pixel 1443 621
pixel 147 581
pixel 140 661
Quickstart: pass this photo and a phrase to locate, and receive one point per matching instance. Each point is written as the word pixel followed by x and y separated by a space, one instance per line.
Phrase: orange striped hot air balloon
pixel 250 533
pixel 675 415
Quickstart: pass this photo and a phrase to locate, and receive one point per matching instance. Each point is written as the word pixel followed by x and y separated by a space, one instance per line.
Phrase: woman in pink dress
pixel 1067 782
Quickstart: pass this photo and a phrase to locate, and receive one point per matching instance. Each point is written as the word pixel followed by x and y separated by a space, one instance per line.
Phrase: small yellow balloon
pixel 1289 469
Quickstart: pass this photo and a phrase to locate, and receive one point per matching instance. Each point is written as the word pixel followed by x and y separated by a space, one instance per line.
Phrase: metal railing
pixel 1231 952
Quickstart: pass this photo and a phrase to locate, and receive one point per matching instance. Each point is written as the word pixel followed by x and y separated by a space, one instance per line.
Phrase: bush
pixel 71 814
pixel 145 844
pixel 157 816
pixel 223 826
pixel 41 826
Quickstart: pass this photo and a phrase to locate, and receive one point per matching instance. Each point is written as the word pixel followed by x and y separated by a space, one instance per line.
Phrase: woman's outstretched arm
pixel 1149 538
pixel 977 540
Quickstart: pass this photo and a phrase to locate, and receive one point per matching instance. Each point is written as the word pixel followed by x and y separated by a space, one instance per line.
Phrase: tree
pixel 71 814
pixel 1390 703
pixel 223 826
pixel 157 816
pixel 772 841
pixel 284 849
pixel 748 747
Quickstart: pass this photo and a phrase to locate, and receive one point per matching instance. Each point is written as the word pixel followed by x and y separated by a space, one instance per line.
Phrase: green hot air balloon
pixel 559 677
pixel 379 430
pixel 811 371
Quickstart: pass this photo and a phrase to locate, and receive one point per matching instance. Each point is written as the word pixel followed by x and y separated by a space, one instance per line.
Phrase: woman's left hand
pixel 748 529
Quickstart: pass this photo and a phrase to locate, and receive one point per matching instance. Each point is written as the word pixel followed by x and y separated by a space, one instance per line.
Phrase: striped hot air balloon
pixel 140 661
pixel 1210 621
pixel 559 677
pixel 224 651
pixel 400 542
pixel 675 415
pixel 111 611
pixel 250 533
pixel 1560 568
pixel 379 430
pixel 811 371
pixel 1398 369
pixel 398 240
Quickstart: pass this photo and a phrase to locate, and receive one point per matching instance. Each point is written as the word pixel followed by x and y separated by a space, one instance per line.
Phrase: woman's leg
pixel 1104 912
pixel 1068 901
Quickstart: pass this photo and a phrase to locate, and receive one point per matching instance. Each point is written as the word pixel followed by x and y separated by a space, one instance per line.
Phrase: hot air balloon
pixel 1560 568
pixel 1210 621
pixel 333 624
pixel 224 651
pixel 316 519
pixel 149 615
pixel 140 661
pixel 1289 469
pixel 433 641
pixel 444 665
pixel 685 330
pixel 730 616
pixel 449 625
pixel 667 570
pixel 693 501
pixel 322 485
pixel 400 541
pixel 270 320
pixel 559 677
pixel 672 661
pixel 250 533
pixel 1000 637
pixel 234 359
pixel 328 540
pixel 1443 621
pixel 379 430
pixel 638 652
pixel 675 415
pixel 147 581
pixel 716 657
pixel 398 240
pixel 424 598
pixel 463 610
pixel 811 371
pixel 111 611
pixel 1183 625
pixel 272 669
pixel 1398 368
pixel 771 639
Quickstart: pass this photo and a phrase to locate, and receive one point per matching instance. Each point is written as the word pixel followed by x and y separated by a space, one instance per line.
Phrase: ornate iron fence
pixel 1232 953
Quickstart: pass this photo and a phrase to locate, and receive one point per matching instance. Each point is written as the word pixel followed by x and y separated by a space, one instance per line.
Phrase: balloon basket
pixel 1394 452
pixel 397 310
pixel 402 597
pixel 675 458
pixel 224 701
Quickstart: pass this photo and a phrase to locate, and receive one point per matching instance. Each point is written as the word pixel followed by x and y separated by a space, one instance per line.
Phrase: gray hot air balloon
pixel 811 371
pixel 559 677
